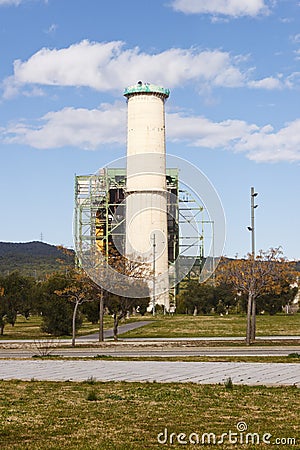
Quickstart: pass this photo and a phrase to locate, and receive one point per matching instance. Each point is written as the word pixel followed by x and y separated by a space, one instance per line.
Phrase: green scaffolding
pixel 99 219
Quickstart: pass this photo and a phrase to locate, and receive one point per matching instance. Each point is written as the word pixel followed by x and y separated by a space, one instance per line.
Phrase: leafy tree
pixel 119 307
pixel 267 273
pixel 137 273
pixel 197 298
pixel 91 311
pixel 224 298
pixel 273 303
pixel 17 293
pixel 81 283
pixel 57 313
pixel 80 289
pixel 2 309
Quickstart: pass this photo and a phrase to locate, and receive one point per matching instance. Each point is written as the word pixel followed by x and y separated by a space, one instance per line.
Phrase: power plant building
pixel 137 209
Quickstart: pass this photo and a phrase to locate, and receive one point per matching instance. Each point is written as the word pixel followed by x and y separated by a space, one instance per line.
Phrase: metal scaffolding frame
pixel 99 219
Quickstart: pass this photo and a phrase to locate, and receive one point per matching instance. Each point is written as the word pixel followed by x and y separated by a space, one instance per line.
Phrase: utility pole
pixel 252 228
pixel 101 315
pixel 153 279
pixel 251 313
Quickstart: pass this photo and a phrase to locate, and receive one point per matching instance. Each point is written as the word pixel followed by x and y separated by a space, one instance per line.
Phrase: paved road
pixel 110 333
pixel 160 371
pixel 156 351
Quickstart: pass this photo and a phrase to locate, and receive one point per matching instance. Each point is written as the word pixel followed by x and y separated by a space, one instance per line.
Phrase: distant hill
pixel 38 259
pixel 32 258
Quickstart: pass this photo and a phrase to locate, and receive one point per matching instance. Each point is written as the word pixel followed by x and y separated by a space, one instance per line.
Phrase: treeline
pixel 63 300
pixel 221 298
pixel 55 299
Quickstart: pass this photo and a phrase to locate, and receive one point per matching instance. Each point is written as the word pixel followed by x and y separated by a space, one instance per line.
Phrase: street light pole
pixel 251 313
pixel 154 275
pixel 252 228
pixel 253 206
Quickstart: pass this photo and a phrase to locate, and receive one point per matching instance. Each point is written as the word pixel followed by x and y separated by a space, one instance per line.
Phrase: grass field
pixel 126 416
pixel 213 326
pixel 172 326
pixel 30 329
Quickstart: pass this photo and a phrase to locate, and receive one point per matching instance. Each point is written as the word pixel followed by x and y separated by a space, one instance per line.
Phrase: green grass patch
pixel 31 328
pixel 215 326
pixel 126 416
pixel 171 326
pixel 295 356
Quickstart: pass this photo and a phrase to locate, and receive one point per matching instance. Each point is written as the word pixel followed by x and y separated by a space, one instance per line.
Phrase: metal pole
pixel 213 252
pixel 253 194
pixel 252 332
pixel 153 279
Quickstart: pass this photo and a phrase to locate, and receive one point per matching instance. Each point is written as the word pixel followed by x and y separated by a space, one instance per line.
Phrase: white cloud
pixel 108 66
pixel 297 53
pixel 82 128
pixel 293 80
pixel 260 144
pixel 10 2
pixel 232 8
pixel 93 129
pixel 201 132
pixel 268 83
pixel 266 145
pixel 15 2
pixel 295 38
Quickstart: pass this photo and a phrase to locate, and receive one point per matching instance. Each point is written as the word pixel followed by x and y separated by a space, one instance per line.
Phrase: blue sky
pixel 233 68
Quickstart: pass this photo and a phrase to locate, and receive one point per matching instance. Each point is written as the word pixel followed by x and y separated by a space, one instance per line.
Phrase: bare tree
pixel 137 274
pixel 255 276
pixel 79 290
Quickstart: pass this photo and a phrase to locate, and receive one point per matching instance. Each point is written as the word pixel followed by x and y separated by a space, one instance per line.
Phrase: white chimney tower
pixel 146 197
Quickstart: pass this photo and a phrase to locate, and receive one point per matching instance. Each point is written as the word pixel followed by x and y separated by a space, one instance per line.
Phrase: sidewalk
pixel 275 374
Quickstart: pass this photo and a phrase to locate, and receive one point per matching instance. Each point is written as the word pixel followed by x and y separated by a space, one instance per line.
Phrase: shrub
pixel 92 396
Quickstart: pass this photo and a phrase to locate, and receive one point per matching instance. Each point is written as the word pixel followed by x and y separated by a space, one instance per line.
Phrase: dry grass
pixel 125 416
pixel 291 358
pixel 30 329
pixel 176 326
pixel 212 326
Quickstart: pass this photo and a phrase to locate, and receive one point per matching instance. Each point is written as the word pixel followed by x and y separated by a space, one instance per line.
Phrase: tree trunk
pixel 1 329
pixel 74 324
pixel 116 323
pixel 253 321
pixel 101 315
pixel 117 319
pixel 249 314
